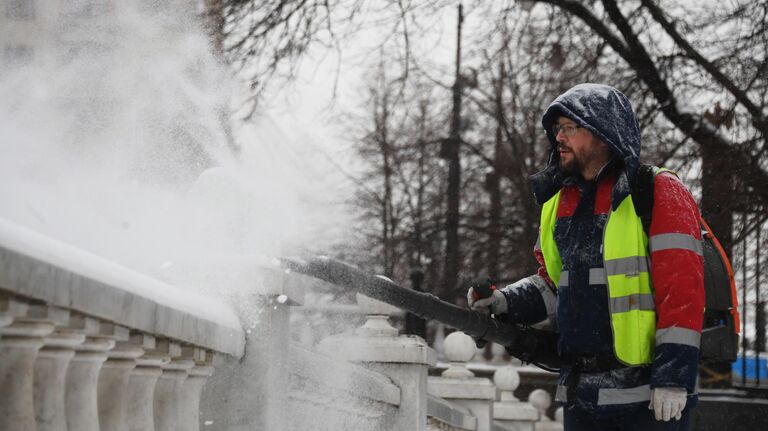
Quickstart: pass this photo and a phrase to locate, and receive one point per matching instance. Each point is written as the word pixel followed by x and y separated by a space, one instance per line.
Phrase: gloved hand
pixel 668 403
pixel 478 297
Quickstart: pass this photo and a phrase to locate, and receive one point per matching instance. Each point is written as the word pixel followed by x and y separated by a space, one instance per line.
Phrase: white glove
pixel 494 304
pixel 668 403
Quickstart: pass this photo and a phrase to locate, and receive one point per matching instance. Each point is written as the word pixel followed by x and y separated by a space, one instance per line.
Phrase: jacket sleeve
pixel 531 300
pixel 677 272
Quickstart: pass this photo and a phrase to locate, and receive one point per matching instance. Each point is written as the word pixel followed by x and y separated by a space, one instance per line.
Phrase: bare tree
pixel 697 76
pixel 400 189
pixel 266 41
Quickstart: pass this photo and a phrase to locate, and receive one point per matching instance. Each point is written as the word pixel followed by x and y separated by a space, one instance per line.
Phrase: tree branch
pixel 758 119
pixel 635 54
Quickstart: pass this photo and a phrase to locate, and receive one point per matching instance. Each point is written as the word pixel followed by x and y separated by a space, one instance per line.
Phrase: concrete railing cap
pixel 39 267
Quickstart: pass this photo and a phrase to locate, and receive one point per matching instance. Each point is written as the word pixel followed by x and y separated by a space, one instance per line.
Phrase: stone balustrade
pixel 403 360
pixel 459 386
pixel 88 345
pixel 326 385
pixel 491 404
pixel 328 394
pixel 509 410
pixel 368 379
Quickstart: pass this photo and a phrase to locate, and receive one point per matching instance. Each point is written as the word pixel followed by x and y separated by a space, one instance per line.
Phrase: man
pixel 628 304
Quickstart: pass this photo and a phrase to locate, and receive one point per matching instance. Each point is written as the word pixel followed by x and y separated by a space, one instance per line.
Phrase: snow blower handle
pixel 528 344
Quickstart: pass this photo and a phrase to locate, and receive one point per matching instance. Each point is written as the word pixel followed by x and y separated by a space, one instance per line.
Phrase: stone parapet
pixel 88 345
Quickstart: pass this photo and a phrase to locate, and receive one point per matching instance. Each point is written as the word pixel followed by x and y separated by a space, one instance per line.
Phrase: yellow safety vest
pixel 626 271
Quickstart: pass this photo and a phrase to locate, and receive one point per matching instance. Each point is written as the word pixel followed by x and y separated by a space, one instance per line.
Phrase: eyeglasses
pixel 567 129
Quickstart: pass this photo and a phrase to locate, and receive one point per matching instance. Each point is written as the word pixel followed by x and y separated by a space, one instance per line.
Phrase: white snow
pixel 85 264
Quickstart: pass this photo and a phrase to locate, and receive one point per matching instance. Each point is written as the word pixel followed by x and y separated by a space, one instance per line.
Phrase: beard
pixel 574 166
pixel 571 167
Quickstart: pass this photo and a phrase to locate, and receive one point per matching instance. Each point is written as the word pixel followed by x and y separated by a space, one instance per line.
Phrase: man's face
pixel 580 152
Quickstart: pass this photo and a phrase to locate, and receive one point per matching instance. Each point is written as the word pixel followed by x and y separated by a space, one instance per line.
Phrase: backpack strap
pixel 642 194
pixel 720 337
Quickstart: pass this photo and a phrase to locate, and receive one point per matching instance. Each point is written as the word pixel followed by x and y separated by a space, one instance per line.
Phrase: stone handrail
pixel 338 393
pixel 446 415
pixel 87 344
pixel 332 374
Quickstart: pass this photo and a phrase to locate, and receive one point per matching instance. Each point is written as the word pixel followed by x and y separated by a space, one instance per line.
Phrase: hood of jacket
pixel 607 114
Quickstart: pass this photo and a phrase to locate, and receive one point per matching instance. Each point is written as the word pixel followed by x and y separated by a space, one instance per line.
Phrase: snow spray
pixel 116 137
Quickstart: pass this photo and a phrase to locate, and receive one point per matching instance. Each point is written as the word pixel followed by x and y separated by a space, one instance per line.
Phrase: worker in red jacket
pixel 626 299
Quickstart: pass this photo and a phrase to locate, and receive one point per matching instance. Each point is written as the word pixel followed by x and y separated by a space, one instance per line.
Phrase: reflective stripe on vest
pixel 611 396
pixel 596 276
pixel 626 268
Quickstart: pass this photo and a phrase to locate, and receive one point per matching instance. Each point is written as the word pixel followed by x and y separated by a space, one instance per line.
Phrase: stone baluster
pixel 509 410
pixel 168 391
pixel 189 415
pixel 404 359
pixel 81 397
pixel 20 342
pixel 142 382
pixel 114 379
pixel 541 400
pixel 51 367
pixel 459 385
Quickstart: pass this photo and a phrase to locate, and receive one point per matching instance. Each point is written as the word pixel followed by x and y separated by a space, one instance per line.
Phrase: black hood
pixel 607 114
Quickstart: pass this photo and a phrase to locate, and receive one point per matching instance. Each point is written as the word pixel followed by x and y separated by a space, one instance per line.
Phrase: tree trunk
pixel 717 185
pixel 387 224
pixel 493 183
pixel 452 249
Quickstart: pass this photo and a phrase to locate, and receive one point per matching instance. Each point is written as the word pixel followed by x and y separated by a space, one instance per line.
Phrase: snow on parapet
pixel 37 266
